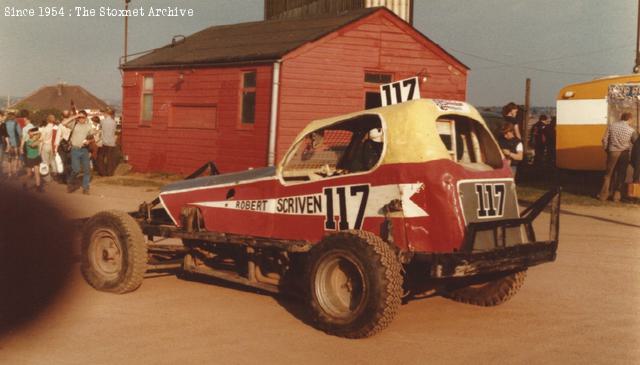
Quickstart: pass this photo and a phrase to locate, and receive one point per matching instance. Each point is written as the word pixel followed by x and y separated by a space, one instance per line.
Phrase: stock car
pixel 364 211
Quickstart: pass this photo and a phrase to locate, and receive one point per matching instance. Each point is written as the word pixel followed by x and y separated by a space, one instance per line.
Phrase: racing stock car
pixel 364 210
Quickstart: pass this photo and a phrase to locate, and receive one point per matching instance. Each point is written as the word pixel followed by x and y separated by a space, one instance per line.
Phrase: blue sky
pixel 553 42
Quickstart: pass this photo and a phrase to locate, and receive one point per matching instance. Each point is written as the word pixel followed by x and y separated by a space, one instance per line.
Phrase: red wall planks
pixel 167 145
pixel 327 78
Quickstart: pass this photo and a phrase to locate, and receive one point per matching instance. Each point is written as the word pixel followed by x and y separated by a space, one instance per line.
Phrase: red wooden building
pixel 239 94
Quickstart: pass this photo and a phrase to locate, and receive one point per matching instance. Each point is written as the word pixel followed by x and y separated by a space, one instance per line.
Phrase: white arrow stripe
pixel 315 204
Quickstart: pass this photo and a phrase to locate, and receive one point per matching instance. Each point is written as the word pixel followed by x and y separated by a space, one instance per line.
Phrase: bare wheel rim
pixel 340 286
pixel 105 253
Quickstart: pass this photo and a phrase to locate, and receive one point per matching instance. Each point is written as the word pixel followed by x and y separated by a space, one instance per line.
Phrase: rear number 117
pixel 491 200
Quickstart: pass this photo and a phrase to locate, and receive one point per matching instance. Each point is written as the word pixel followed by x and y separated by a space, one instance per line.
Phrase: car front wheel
pixel 355 284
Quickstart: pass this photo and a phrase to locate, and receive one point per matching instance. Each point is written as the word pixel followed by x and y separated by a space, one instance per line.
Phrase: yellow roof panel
pixel 410 128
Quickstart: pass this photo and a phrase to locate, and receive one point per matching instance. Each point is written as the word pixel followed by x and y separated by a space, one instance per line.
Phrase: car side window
pixel 469 142
pixel 350 146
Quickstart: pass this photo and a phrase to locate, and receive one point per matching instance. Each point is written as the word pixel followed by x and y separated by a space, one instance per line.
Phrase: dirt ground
pixel 583 308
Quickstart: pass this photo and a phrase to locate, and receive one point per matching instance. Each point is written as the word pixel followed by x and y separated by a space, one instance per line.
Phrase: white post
pixel 273 124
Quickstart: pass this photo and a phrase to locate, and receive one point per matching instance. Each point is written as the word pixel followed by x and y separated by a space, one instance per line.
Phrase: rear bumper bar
pixel 503 257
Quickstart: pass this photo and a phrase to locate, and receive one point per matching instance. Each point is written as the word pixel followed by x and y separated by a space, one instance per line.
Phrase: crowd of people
pixel 621 143
pixel 541 139
pixel 61 149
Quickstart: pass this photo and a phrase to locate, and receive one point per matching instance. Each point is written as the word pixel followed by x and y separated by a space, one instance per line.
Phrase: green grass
pixel 578 188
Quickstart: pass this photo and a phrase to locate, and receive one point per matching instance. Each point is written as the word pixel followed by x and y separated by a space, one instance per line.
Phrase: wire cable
pixel 523 65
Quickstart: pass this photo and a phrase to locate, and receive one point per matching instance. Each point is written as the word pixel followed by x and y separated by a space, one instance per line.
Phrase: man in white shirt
pixel 80 135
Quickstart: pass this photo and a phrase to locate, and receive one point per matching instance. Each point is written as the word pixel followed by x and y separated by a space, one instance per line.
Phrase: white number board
pixel 400 91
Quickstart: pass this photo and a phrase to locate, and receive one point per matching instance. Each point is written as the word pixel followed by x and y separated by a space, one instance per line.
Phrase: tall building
pixel 287 9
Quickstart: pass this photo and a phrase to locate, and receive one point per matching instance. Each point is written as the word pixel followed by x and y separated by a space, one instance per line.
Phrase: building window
pixel 147 98
pixel 248 95
pixel 373 80
pixel 377 78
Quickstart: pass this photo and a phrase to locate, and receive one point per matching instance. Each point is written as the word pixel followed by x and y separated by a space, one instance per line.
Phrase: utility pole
pixel 126 27
pixel 527 114
pixel 636 69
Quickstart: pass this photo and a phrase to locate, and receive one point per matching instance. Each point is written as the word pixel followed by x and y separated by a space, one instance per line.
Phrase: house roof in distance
pixel 252 42
pixel 60 96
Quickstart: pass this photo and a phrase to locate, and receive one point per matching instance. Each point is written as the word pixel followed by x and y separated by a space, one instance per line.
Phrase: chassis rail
pixel 151 229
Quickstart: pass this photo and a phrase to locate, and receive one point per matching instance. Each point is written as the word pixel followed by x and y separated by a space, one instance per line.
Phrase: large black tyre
pixel 490 293
pixel 355 284
pixel 114 253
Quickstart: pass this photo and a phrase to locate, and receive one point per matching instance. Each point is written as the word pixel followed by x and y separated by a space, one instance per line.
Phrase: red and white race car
pixel 364 209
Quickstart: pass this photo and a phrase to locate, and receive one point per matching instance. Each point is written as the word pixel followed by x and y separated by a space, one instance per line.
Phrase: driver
pixel 372 149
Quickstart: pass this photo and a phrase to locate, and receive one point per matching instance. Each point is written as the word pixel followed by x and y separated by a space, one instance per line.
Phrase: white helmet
pixel 376 135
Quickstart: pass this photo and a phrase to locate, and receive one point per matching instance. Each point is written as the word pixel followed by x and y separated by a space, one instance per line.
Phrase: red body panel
pixel 298 211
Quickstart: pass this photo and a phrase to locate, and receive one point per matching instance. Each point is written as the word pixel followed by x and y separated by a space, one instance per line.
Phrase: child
pixel 32 159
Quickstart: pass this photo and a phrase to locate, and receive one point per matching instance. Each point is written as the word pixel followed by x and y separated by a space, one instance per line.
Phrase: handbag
pixel 633 190
pixel 43 168
pixel 59 164
pixel 65 144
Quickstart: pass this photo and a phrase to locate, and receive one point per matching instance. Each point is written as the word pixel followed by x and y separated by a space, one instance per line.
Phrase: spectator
pixel 64 155
pixel 32 158
pixel 3 138
pixel 635 160
pixel 26 126
pixel 542 136
pixel 510 115
pixel 50 142
pixel 107 152
pixel 552 143
pixel 617 141
pixel 79 137
pixel 95 144
pixel 12 143
pixel 23 118
pixel 511 147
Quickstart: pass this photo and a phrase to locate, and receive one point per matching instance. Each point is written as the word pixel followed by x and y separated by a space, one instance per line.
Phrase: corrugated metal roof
pixel 246 42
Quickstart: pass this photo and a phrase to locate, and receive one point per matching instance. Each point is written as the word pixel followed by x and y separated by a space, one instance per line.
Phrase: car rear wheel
pixel 355 284
pixel 114 253
pixel 495 291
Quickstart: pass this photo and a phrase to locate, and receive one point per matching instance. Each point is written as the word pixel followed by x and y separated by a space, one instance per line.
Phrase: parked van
pixel 583 112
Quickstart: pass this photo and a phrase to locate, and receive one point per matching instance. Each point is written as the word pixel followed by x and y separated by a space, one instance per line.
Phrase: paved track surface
pixel 584 308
